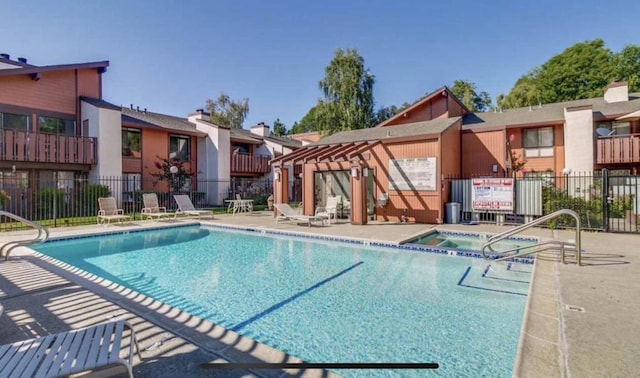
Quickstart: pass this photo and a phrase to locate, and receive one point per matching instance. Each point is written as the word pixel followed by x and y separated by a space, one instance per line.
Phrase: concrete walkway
pixel 558 339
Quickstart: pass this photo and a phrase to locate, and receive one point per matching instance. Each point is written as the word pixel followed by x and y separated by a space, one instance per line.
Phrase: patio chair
pixel 109 211
pixel 185 206
pixel 243 205
pixel 152 208
pixel 287 213
pixel 76 351
pixel 330 208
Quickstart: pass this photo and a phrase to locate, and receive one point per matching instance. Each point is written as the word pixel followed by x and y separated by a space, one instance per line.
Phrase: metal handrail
pixel 43 234
pixel 503 235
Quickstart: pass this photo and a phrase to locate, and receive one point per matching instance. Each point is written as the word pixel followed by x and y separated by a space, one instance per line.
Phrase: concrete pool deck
pixel 558 339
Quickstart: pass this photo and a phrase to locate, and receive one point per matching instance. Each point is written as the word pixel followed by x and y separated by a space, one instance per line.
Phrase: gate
pixel 621 204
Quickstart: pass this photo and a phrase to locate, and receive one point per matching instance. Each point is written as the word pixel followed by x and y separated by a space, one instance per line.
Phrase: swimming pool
pixel 323 301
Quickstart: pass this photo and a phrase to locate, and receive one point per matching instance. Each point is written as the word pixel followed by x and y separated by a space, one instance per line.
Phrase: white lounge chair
pixel 152 208
pixel 109 211
pixel 60 355
pixel 287 213
pixel 185 206
pixel 330 208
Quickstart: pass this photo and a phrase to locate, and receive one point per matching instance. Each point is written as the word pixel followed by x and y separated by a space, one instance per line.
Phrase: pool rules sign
pixel 492 194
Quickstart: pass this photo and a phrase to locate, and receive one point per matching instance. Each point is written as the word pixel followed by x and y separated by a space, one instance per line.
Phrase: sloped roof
pixel 432 127
pixel 164 121
pixel 282 140
pixel 30 69
pixel 424 100
pixel 100 103
pixel 245 136
pixel 549 113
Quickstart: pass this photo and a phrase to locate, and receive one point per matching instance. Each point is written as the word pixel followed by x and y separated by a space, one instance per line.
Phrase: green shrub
pixel 89 195
pixel 48 200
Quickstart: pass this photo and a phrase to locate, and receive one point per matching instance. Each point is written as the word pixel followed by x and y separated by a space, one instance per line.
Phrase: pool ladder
pixel 43 235
pixel 563 247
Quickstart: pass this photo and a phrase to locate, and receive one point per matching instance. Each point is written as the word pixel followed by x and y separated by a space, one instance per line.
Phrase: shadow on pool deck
pixel 557 338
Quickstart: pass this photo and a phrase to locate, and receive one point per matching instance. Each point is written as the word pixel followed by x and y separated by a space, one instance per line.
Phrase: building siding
pixel 55 91
pixel 481 150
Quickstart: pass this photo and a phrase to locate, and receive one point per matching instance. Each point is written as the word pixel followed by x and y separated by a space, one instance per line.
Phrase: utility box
pixel 452 212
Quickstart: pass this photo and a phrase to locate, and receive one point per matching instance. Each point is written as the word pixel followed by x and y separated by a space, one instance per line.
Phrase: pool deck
pixel 580 321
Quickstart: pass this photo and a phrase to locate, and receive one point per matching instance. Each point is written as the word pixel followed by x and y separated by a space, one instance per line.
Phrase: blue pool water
pixel 324 301
pixel 470 242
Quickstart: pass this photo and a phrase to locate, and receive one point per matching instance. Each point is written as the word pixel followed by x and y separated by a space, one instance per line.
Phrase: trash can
pixel 452 213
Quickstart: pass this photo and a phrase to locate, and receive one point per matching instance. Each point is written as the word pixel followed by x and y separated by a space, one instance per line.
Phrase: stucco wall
pixel 578 139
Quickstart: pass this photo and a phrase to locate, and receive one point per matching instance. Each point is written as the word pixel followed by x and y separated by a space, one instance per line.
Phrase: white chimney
pixel 261 129
pixel 199 114
pixel 616 92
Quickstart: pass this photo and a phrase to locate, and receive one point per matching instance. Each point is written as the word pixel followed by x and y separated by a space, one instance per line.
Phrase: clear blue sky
pixel 170 56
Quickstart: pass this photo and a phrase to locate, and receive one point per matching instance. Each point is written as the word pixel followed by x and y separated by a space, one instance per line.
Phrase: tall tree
pixel 348 94
pixel 581 71
pixel 279 128
pixel 307 123
pixel 466 92
pixel 628 66
pixel 227 112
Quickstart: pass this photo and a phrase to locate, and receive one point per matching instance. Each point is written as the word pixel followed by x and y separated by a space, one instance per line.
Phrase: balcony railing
pixel 618 149
pixel 249 164
pixel 47 148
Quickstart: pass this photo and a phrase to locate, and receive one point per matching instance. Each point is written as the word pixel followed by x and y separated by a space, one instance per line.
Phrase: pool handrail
pixel 577 244
pixel 43 235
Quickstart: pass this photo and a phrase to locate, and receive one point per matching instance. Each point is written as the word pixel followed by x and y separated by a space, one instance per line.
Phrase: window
pixel 547 178
pixel 51 125
pixel 131 183
pixel 538 142
pixel 131 143
pixel 179 148
pixel 618 128
pixel 16 122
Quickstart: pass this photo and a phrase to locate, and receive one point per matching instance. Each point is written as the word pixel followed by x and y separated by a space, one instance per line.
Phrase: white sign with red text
pixel 492 194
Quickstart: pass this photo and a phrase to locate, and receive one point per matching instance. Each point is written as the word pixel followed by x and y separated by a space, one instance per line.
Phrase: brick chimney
pixel 618 91
pixel 261 129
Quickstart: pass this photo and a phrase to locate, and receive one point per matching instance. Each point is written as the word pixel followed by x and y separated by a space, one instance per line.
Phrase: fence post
pixel 605 199
pixel 55 199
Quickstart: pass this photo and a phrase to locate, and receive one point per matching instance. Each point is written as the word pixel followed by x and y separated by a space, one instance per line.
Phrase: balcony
pixel 618 149
pixel 247 164
pixel 47 148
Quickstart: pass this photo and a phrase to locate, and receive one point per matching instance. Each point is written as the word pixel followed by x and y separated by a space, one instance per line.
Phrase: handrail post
pixel 506 234
pixel 38 239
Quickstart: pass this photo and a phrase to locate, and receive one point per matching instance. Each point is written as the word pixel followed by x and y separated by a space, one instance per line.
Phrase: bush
pixel 89 195
pixel 49 199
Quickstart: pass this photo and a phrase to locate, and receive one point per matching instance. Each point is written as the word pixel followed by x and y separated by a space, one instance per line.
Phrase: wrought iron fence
pixel 605 201
pixel 65 201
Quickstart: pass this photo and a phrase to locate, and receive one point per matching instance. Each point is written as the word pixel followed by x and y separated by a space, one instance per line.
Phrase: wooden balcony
pixel 618 149
pixel 47 148
pixel 249 164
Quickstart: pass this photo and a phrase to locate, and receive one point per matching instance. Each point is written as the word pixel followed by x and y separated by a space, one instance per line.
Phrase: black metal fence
pixel 606 201
pixel 64 201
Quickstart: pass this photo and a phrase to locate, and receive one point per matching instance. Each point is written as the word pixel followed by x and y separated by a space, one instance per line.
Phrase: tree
pixel 307 123
pixel 176 180
pixel 466 92
pixel 581 71
pixel 628 66
pixel 279 128
pixel 348 94
pixel 227 112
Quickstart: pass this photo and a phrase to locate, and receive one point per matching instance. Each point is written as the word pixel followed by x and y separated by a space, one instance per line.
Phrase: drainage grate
pixel 574 308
